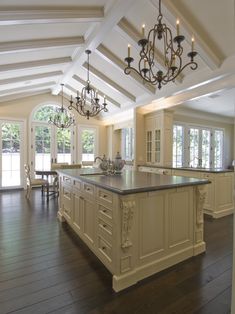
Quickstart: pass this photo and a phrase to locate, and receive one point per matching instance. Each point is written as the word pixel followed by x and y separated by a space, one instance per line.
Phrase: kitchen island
pixel 219 201
pixel 136 223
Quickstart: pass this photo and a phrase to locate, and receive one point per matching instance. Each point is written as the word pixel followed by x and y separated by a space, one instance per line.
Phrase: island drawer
pixel 88 189
pixel 105 213
pixel 105 196
pixel 66 180
pixel 105 249
pixel 77 184
pixel 105 231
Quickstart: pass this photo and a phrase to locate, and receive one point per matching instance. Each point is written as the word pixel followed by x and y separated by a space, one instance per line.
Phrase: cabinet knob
pixel 104 211
pixel 103 248
pixel 104 196
pixel 104 226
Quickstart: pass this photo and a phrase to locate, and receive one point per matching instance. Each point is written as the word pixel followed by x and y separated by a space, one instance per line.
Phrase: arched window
pixel 49 144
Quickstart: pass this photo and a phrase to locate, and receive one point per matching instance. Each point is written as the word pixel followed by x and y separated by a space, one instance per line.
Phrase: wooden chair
pixel 30 183
pixel 55 179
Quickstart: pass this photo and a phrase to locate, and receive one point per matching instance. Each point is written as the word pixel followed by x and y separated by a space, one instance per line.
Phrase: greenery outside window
pixel 197 146
pixel 127 144
pixel 88 144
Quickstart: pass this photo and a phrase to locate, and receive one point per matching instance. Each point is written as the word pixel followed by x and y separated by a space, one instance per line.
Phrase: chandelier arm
pixel 193 65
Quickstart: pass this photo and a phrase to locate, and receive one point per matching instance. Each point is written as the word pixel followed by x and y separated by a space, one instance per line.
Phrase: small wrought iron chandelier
pixel 88 103
pixel 61 119
pixel 171 49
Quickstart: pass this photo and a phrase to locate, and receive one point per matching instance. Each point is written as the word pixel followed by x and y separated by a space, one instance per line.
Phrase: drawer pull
pixel 88 189
pixel 104 226
pixel 67 179
pixel 103 248
pixel 104 210
pixel 104 196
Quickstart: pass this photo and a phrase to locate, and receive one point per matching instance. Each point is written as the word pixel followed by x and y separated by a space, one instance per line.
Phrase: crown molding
pixel 203 115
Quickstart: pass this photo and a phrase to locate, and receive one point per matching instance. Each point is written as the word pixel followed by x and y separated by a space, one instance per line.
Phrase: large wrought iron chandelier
pixel 87 104
pixel 160 38
pixel 61 119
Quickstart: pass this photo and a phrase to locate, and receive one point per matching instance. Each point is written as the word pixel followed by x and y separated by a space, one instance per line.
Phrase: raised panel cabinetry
pixel 138 234
pixel 219 200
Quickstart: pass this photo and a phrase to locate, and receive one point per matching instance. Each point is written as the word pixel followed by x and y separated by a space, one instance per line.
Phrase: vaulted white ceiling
pixel 43 43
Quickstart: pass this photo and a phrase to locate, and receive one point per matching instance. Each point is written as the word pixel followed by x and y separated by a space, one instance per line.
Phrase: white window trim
pixel 23 123
pixel 80 128
pixel 212 129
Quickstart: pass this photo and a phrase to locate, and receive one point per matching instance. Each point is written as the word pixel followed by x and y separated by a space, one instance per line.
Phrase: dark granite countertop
pixel 212 170
pixel 131 181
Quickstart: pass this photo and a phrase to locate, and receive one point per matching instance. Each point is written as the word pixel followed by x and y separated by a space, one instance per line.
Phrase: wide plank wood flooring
pixel 45 268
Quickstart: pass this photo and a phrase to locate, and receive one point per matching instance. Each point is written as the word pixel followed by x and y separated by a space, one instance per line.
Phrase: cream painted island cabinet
pixel 136 223
pixel 219 201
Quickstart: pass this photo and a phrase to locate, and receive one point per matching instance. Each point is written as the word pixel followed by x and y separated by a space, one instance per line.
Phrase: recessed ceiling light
pixel 27 82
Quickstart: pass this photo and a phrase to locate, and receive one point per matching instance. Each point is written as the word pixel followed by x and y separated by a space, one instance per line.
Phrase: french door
pixel 11 154
pixel 49 145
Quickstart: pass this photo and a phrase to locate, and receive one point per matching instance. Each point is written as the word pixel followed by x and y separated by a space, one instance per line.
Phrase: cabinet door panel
pixel 78 213
pixel 89 220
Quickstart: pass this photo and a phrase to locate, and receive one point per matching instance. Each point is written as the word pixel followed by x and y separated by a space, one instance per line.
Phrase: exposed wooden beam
pixel 110 82
pixel 37 15
pixel 205 47
pixel 133 35
pixel 69 87
pixel 29 45
pixel 110 57
pixel 99 33
pixel 19 79
pixel 26 88
pixel 109 99
pixel 34 64
pixel 23 95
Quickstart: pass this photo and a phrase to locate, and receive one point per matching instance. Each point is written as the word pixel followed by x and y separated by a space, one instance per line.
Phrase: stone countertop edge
pixel 211 170
pixel 127 191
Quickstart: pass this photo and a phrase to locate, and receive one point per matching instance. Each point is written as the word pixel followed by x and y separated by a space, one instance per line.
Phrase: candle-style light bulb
pixel 178 27
pixel 193 41
pixel 129 51
pixel 143 30
pixel 104 99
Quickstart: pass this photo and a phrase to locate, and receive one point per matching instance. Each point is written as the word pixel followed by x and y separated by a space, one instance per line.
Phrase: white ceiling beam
pixel 113 15
pixel 23 95
pixel 26 88
pixel 132 35
pixel 34 15
pixel 111 58
pixel 15 46
pixel 101 76
pixel 34 64
pixel 100 92
pixel 26 78
pixel 204 46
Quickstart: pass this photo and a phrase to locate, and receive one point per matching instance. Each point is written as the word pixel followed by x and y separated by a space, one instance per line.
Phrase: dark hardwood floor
pixel 45 268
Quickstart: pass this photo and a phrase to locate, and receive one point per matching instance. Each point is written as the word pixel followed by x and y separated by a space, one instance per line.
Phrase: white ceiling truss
pixel 42 46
